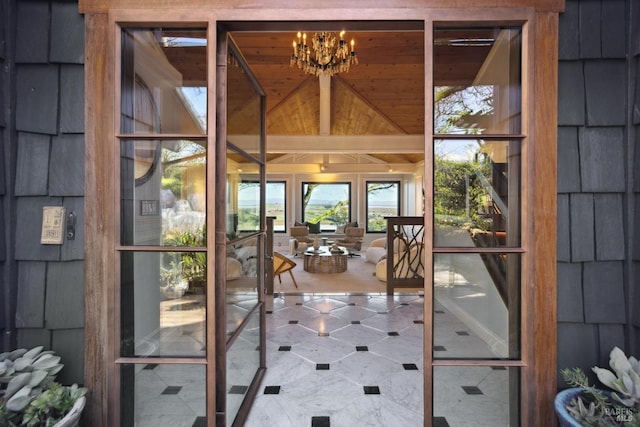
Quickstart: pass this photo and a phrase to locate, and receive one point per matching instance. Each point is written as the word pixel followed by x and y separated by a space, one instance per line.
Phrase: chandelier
pixel 325 56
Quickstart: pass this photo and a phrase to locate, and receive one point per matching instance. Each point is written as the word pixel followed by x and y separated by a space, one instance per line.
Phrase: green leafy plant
pixel 29 394
pixel 617 406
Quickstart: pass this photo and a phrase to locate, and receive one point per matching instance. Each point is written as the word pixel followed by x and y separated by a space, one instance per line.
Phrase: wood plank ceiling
pixel 382 95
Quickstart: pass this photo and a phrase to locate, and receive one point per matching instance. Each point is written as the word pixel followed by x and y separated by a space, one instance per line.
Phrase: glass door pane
pixel 243 183
pixel 163 208
pixel 477 150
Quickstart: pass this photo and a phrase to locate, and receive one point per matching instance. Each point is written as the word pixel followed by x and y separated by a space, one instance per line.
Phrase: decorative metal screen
pixel 405 246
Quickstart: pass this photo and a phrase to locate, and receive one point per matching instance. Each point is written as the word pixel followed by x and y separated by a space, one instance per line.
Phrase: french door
pixel 189 320
pixel 175 248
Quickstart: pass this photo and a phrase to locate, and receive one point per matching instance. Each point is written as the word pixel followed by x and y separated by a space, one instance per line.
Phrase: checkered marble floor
pixel 357 360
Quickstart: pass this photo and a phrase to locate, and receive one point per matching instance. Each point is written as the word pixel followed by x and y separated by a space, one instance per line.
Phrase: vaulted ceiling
pixel 373 113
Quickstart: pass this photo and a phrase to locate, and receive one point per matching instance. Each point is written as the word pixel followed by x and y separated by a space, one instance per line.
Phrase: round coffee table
pixel 325 261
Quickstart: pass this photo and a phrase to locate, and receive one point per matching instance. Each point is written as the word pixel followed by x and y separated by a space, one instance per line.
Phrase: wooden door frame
pixel 540 106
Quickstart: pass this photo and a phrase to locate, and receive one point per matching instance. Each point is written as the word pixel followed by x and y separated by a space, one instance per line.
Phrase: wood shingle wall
pixel 598 223
pixel 48 143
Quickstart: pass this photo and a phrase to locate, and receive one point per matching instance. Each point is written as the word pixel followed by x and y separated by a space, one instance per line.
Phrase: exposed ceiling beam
pixel 370 144
pixel 399 168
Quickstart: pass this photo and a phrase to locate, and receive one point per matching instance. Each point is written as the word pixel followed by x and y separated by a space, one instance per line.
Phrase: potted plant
pixel 29 394
pixel 587 405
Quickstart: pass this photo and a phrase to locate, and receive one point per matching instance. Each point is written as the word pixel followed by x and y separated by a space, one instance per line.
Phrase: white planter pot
pixel 72 418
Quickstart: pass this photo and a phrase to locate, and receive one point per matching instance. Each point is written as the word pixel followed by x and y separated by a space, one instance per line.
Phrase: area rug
pixel 359 278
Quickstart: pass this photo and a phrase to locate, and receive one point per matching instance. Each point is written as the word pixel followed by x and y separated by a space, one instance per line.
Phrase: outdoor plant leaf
pixel 23 364
pixel 46 362
pixel 37 377
pixel 31 354
pixel 16 383
pixel 20 400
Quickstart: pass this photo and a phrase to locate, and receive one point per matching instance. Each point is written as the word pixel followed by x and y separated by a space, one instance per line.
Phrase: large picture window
pixel 327 204
pixel 276 204
pixel 383 200
pixel 248 213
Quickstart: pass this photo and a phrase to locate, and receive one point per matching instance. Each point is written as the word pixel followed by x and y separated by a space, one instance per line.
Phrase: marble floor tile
pixel 325 354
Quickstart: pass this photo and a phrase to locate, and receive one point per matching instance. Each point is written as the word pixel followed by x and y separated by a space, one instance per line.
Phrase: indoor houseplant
pixel 587 405
pixel 29 394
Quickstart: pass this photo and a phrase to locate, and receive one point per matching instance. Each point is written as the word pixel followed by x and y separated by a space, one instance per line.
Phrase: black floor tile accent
pixel 200 422
pixel 362 348
pixel 498 368
pixel 410 366
pixel 355 322
pixel 439 348
pixel 371 389
pixel 150 366
pixel 320 422
pixel 439 311
pixel 352 303
pixel 471 389
pixel 393 334
pixel 284 348
pixel 272 389
pixel 322 367
pixel 269 312
pixel 440 422
pixel 172 389
pixel 293 322
pixel 298 303
pixel 418 322
pixel 404 303
pixel 323 334
pixel 238 389
pixel 383 312
pixel 462 333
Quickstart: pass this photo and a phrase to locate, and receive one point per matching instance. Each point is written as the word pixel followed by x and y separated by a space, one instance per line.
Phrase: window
pixel 276 204
pixel 383 199
pixel 249 216
pixel 327 204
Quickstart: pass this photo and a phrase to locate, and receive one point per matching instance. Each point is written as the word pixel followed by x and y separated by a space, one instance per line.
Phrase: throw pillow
pixel 351 224
pixel 340 229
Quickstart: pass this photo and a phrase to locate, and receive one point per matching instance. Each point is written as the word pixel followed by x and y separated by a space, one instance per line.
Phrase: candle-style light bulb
pixel 353 43
pixel 294 47
pixel 299 35
pixel 341 34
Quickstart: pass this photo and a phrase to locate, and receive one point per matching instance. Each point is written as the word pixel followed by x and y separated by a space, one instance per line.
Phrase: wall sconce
pixel 323 167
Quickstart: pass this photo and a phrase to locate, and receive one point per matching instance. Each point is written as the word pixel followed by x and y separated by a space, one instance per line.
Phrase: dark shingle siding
pixel 66 173
pixel 614 42
pixel 604 300
pixel 32 37
pixel 32 167
pixel 564 231
pixel 67 33
pixel 569 31
pixel 609 227
pixel 66 343
pixel 569 159
pixel 571 97
pixel 570 303
pixel 590 30
pixel 582 227
pixel 72 99
pixel 64 306
pixel 606 92
pixel 37 93
pixel 31 292
pixel 602 159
